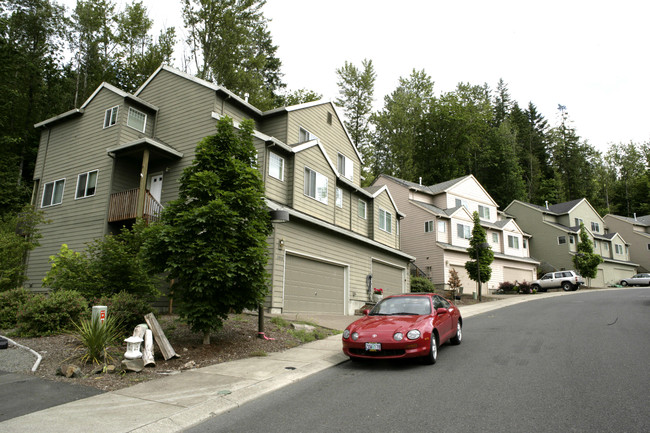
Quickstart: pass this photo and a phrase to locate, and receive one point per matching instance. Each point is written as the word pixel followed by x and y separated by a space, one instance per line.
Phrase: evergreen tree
pixel 213 238
pixel 585 260
pixel 231 45
pixel 356 89
pixel 478 248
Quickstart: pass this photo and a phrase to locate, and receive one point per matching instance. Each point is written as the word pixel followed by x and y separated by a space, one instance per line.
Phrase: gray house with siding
pixel 120 156
pixel 556 231
pixel 438 223
pixel 636 231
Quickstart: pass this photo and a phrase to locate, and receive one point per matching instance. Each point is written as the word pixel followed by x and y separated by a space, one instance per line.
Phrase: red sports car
pixel 404 326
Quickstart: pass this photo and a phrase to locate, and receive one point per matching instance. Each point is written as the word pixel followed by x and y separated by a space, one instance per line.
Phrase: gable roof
pixel 557 209
pixel 639 221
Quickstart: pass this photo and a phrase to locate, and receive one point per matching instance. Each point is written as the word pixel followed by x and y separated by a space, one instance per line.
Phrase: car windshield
pixel 402 305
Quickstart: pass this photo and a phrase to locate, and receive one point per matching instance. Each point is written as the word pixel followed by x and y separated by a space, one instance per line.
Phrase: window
pixel 345 166
pixel 428 226
pixel 495 238
pixel 606 246
pixel 595 227
pixel 578 221
pixel 136 119
pixel 339 197
pixel 276 166
pixel 305 136
pixel 53 193
pixel 315 185
pixel 619 248
pixel 461 202
pixel 572 239
pixel 361 209
pixel 648 247
pixel 525 243
pixel 484 212
pixel 463 231
pixel 110 118
pixel 385 221
pixel 513 242
pixel 86 183
pixel 561 240
pixel 329 118
pixel 442 226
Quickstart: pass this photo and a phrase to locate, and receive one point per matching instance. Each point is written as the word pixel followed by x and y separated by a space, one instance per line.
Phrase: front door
pixel 155 185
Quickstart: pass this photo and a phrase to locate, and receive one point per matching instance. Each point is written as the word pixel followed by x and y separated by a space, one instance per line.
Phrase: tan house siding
pixel 313 159
pixel 383 202
pixel 276 127
pixel 636 235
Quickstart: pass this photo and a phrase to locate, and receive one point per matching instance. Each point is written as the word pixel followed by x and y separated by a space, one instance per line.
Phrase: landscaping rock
pixel 189 365
pixel 136 365
pixel 301 326
pixel 69 371
pixel 3 343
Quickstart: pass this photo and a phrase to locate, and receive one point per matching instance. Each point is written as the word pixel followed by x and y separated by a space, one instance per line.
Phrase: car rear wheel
pixel 432 357
pixel 566 286
pixel 459 335
pixel 623 283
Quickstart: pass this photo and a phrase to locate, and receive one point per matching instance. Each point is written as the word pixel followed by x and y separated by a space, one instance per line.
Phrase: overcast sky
pixel 590 56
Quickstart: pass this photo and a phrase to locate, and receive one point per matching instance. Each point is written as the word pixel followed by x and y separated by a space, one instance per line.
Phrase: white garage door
pixel 313 286
pixel 515 274
pixel 387 277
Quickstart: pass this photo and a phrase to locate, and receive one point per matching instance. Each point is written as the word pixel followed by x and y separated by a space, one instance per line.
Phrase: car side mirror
pixel 366 312
pixel 442 310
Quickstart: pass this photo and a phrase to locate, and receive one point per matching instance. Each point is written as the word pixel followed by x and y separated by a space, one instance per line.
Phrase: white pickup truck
pixel 567 280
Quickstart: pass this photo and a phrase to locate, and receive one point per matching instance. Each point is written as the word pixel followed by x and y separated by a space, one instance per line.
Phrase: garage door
pixel 313 286
pixel 387 277
pixel 515 274
pixel 466 282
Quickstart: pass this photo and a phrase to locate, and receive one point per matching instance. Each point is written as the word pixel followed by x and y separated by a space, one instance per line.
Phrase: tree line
pixel 513 150
pixel 52 59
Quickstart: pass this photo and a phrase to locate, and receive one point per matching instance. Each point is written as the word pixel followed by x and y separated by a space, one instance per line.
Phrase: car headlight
pixel 355 336
pixel 398 336
pixel 346 333
pixel 413 334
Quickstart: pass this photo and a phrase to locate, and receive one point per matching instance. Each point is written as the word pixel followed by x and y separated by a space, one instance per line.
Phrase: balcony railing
pixel 124 206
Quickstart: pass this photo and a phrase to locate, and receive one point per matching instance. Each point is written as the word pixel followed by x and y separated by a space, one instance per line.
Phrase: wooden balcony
pixel 124 206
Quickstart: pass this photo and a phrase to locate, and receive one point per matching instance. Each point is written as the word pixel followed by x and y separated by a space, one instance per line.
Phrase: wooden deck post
pixel 143 183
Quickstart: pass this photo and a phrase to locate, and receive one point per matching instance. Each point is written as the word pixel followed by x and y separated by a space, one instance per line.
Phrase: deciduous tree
pixel 585 260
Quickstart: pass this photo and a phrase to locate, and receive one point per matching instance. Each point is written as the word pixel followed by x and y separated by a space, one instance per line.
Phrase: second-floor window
pixel 464 231
pixel 442 226
pixel 513 242
pixel 53 193
pixel 276 166
pixel 339 197
pixel 561 240
pixel 495 238
pixel 461 202
pixel 428 226
pixel 525 242
pixel 484 212
pixel 578 221
pixel 345 166
pixel 595 227
pixel 361 209
pixel 385 220
pixel 572 239
pixel 315 185
pixel 619 248
pixel 86 184
pixel 136 119
pixel 110 118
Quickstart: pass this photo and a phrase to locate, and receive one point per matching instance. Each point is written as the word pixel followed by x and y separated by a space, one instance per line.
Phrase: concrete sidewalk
pixel 174 403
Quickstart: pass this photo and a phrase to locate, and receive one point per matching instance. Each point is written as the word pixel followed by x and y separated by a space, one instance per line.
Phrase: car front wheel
pixel 566 286
pixel 432 357
pixel 537 288
pixel 459 335
pixel 623 283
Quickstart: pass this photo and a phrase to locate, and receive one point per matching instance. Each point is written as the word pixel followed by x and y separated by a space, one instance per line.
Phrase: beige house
pixel 121 155
pixel 556 229
pixel 637 231
pixel 438 224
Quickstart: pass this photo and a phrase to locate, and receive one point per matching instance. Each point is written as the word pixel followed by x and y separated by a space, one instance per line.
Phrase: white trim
pixel 128 116
pixel 62 192
pixel 365 209
pixel 316 195
pixel 281 177
pixel 117 113
pixel 390 226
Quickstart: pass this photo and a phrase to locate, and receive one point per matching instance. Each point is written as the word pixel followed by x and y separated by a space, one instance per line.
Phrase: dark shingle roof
pixel 560 208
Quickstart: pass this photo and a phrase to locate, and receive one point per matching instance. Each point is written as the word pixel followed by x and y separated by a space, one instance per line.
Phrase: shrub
pixel 127 309
pixel 507 287
pixel 10 302
pixel 95 336
pixel 51 314
pixel 525 288
pixel 422 285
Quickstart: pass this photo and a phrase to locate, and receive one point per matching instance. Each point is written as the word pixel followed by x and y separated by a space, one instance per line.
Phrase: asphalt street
pixel 577 363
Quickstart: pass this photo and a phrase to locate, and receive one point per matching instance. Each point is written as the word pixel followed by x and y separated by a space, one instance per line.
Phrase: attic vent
pixel 420 180
pixel 329 118
pixel 546 204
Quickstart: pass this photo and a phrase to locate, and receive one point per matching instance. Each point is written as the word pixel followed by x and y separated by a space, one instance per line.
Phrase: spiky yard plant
pixel 95 337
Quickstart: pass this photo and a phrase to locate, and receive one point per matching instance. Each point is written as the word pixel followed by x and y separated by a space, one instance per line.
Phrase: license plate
pixel 373 347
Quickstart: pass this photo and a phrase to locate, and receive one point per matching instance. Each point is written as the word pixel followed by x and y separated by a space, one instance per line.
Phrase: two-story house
pixel 636 231
pixel 121 155
pixel 438 225
pixel 556 230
